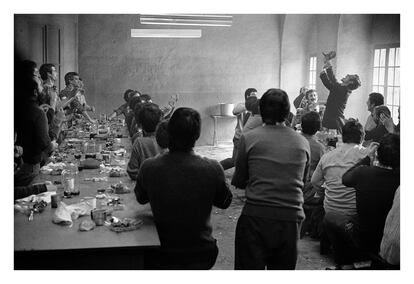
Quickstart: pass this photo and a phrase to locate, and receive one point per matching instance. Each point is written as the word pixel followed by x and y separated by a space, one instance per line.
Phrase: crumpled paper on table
pixel 47 169
pixel 45 196
pixel 65 214
pixel 23 205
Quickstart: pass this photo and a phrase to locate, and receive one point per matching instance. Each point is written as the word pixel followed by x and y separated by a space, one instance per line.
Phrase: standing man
pixel 271 164
pixel 374 99
pixel 49 100
pixel 338 95
pixel 182 195
pixel 242 116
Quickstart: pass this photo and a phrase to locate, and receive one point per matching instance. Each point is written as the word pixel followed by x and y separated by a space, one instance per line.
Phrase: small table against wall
pixel 216 117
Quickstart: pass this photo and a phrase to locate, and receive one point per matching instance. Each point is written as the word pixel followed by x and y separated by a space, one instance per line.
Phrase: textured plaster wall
pixel 354 57
pixel 216 68
pixel 28 38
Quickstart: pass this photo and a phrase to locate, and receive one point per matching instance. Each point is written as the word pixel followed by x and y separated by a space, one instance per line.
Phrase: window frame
pixel 310 71
pixel 393 107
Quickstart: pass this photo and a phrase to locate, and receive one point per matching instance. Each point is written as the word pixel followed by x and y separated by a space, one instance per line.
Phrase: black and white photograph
pixel 206 139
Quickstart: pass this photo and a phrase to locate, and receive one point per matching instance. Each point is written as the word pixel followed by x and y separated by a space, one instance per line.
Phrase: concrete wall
pixel 216 68
pixel 354 57
pixel 28 39
pixel 294 58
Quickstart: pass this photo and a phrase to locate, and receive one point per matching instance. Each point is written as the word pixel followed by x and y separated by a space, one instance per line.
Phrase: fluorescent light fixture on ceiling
pixel 187 20
pixel 165 33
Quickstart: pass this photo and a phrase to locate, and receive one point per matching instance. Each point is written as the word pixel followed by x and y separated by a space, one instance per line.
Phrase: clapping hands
pixel 387 121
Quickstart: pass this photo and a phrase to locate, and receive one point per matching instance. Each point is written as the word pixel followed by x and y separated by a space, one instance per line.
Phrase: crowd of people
pixel 346 195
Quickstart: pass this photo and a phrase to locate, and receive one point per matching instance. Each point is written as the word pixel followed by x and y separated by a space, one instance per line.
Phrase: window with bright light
pixel 386 77
pixel 312 72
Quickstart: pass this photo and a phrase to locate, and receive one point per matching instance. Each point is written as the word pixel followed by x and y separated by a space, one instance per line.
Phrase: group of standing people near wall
pixel 41 112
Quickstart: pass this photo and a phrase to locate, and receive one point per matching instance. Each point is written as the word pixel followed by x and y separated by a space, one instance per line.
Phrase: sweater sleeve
pixel 223 196
pixel 317 177
pixel 352 175
pixel 298 100
pixel 141 193
pixel 241 174
pixel 42 131
pixel 134 162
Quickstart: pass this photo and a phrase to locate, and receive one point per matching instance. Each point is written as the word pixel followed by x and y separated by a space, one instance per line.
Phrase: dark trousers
pixel 342 234
pixel 229 162
pixel 182 259
pixel 263 243
pixel 25 175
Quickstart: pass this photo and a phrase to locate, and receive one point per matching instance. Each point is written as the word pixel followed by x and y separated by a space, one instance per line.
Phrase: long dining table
pixel 42 244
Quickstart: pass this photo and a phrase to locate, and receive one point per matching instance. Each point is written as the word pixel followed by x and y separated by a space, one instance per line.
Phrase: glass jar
pixel 70 180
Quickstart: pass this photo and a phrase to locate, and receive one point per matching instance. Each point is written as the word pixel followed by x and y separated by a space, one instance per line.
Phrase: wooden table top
pixel 42 234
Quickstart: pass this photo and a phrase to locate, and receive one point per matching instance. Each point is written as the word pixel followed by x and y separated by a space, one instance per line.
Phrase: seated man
pixel 375 187
pixel 30 123
pixel 379 130
pixel 333 117
pixel 390 244
pixel 146 146
pixel 182 195
pixel 130 121
pixel 388 123
pixel 313 206
pixel 340 200
pixel 72 96
pixel 300 100
pixel 374 99
pixel 242 116
pixel 271 164
pixel 123 109
pixel 309 103
pixel 255 119
pixel 161 135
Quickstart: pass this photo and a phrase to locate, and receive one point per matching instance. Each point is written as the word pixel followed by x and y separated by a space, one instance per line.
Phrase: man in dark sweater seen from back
pixel 182 188
pixel 271 164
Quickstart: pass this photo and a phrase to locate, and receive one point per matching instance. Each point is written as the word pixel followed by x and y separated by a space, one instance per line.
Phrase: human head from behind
pixel 145 98
pixel 127 94
pixel 48 71
pixel 378 110
pixel 252 105
pixel 274 106
pixel 149 116
pixel 388 152
pixel 352 82
pixel 311 96
pixel 250 92
pixel 311 123
pixel 72 79
pixel 183 129
pixel 161 134
pixel 353 132
pixel 374 99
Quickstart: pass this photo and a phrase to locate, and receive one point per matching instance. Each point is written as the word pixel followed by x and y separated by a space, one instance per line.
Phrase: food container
pixel 226 109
